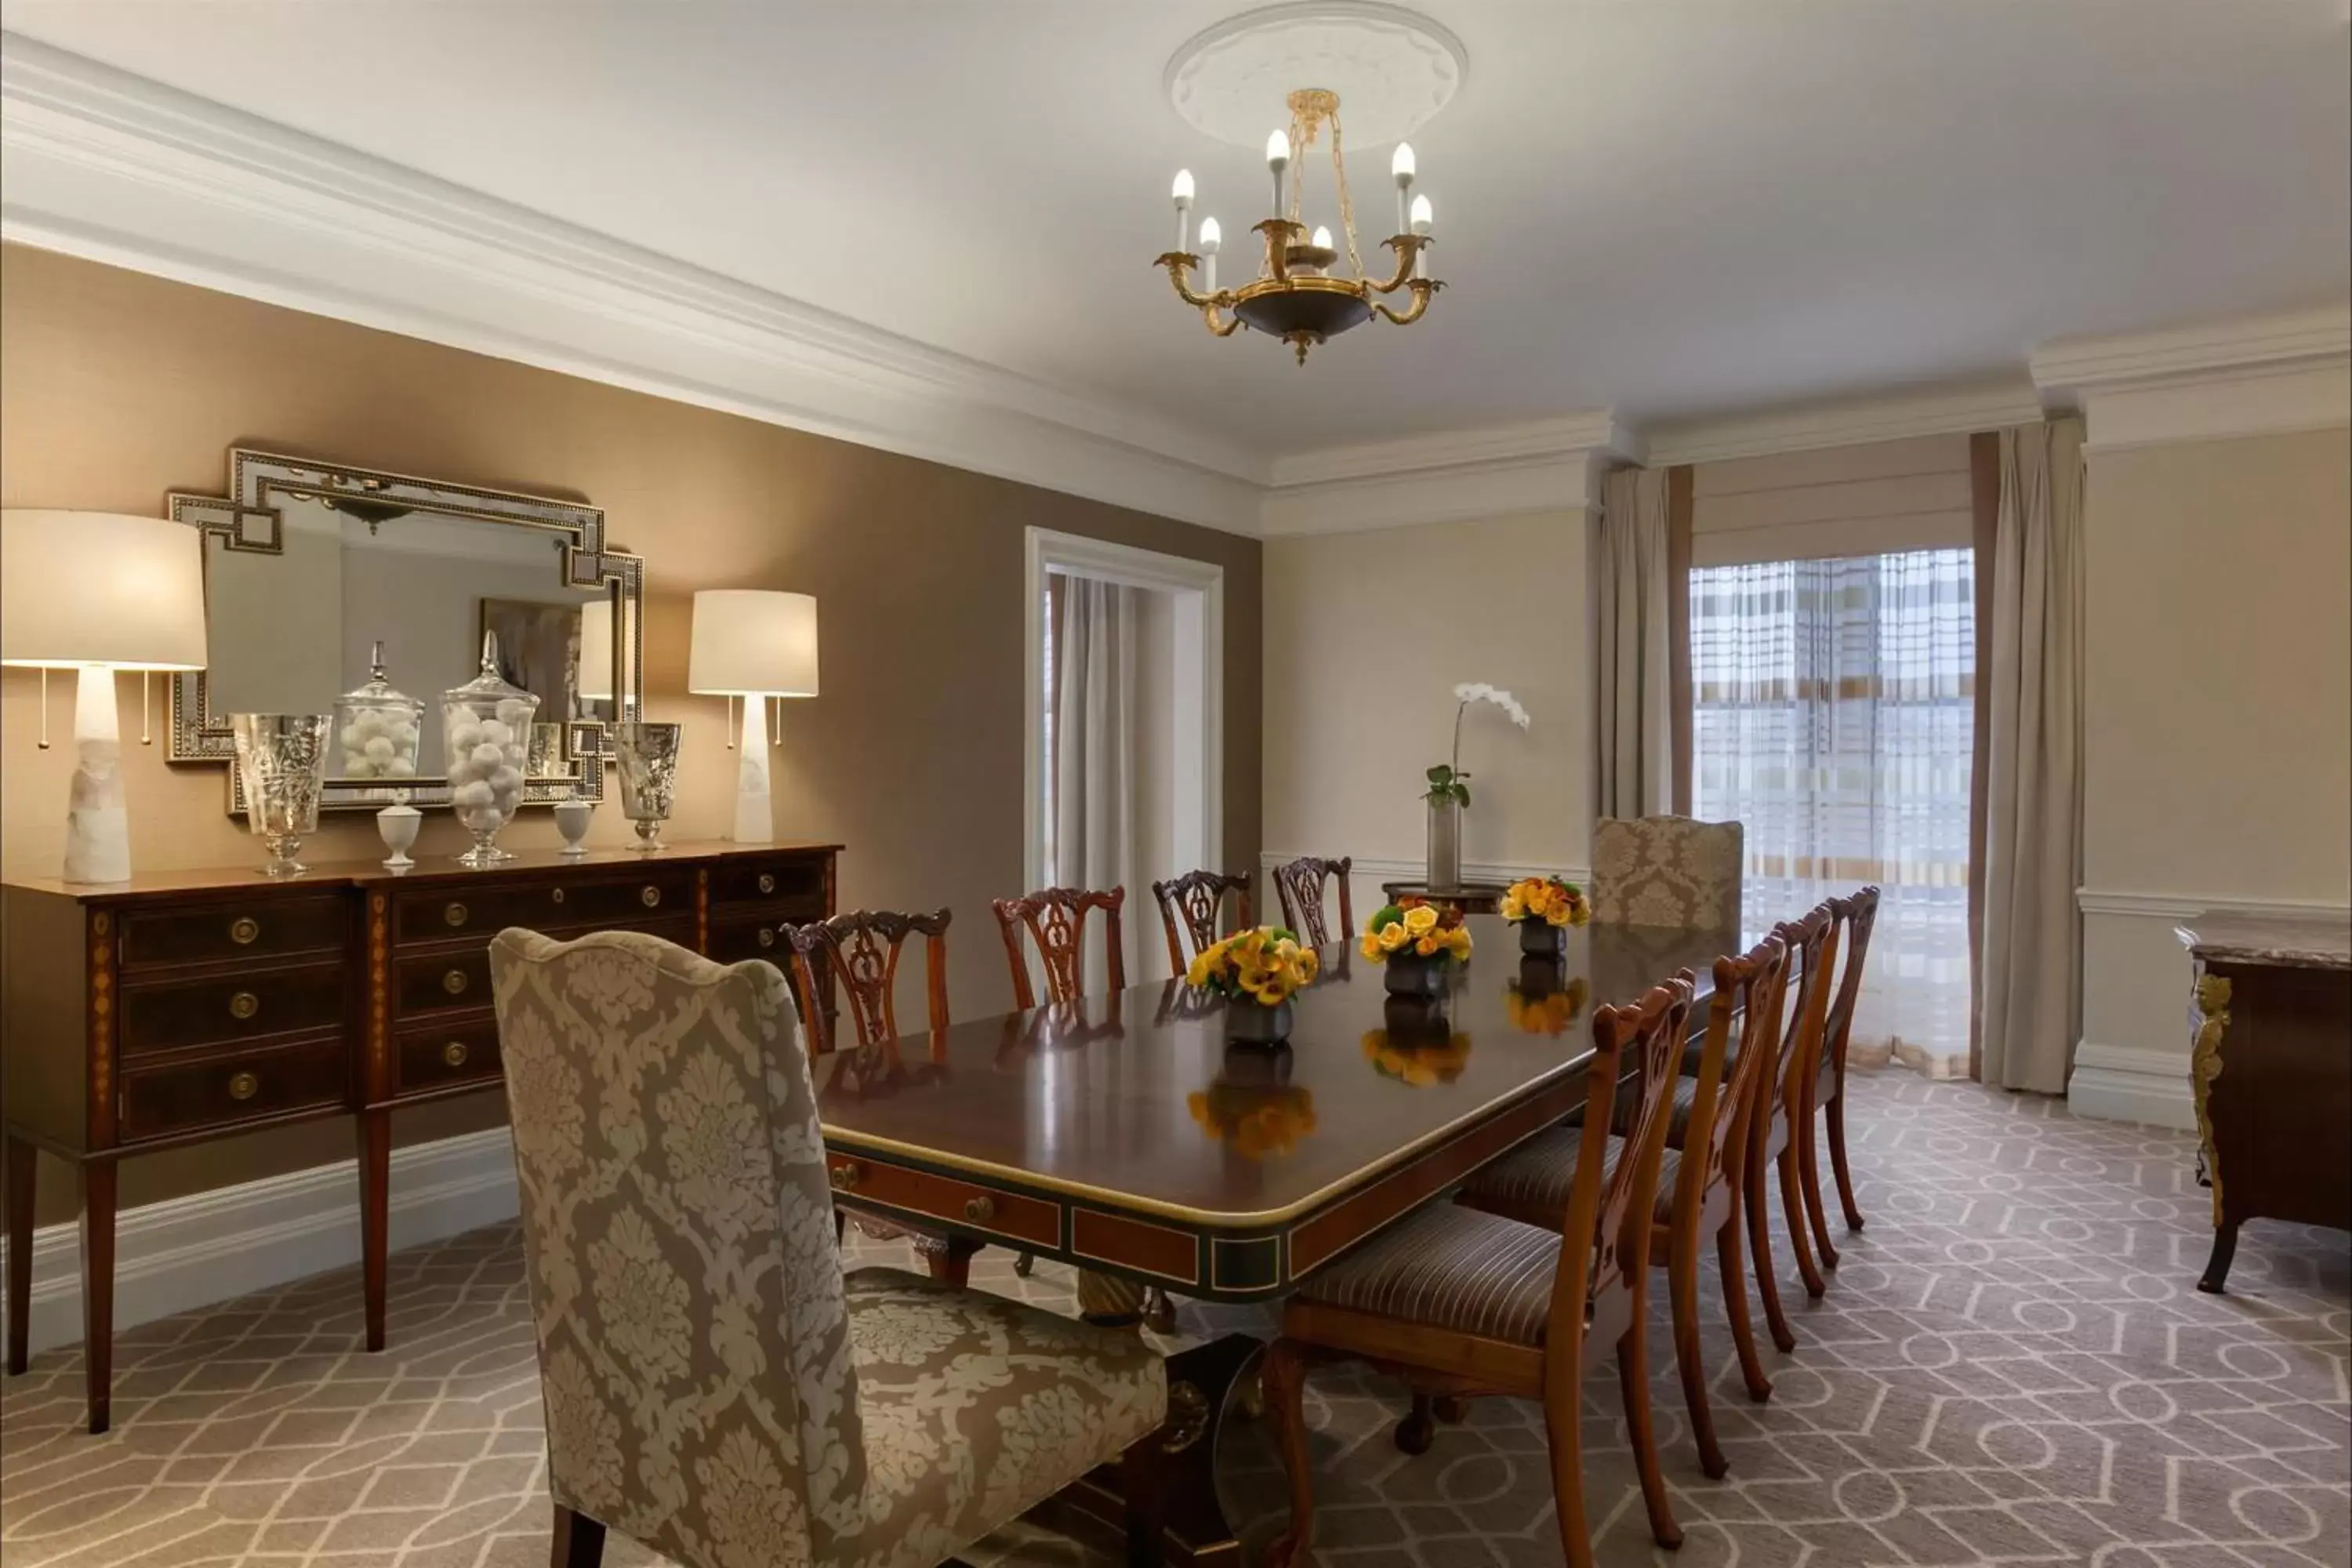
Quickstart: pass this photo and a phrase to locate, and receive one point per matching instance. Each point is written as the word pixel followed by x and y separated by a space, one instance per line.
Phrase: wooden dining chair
pixel 1298 884
pixel 1701 1177
pixel 1189 906
pixel 1055 919
pixel 1855 917
pixel 716 1387
pixel 1783 1106
pixel 1458 1304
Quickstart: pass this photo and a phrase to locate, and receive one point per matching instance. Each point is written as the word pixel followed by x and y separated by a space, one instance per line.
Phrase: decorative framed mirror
pixel 319 577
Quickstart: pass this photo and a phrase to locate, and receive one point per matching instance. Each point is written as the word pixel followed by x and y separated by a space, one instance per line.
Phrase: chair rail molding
pixel 2166 906
pixel 2264 375
pixel 190 1252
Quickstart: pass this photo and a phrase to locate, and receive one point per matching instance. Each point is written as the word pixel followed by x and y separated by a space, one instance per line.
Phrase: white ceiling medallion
pixel 1392 69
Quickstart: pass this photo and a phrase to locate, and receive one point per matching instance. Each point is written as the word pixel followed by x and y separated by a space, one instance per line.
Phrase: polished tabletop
pixel 1135 1097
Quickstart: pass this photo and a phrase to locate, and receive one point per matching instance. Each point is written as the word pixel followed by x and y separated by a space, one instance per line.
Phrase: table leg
pixel 98 1287
pixel 22 1159
pixel 1202 1382
pixel 376 1215
pixel 1108 1302
pixel 948 1258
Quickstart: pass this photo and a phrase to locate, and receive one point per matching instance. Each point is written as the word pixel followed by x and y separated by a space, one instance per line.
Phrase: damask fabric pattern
pixel 2013 1366
pixel 711 1388
pixel 1666 871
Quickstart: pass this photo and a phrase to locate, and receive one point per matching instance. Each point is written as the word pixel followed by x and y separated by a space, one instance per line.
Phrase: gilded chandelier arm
pixel 1178 263
pixel 1408 248
pixel 1422 287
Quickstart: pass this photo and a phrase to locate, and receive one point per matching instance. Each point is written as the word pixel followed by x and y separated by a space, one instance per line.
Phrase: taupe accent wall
pixel 116 388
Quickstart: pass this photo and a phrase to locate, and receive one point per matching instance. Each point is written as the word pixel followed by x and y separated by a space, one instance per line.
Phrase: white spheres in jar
pixel 379 743
pixel 486 767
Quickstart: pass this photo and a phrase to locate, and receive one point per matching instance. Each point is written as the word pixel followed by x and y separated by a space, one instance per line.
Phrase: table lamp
pixel 755 644
pixel 98 592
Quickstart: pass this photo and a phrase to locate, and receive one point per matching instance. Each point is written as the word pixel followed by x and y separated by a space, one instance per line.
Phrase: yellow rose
pixel 1457 941
pixel 1371 948
pixel 1419 919
pixel 1393 936
pixel 1428 945
pixel 1514 906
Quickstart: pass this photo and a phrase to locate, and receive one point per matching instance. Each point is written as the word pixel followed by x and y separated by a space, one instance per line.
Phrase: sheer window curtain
pixel 1833 716
pixel 1092 700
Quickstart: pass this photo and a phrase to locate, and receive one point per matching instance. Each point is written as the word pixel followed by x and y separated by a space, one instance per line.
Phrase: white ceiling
pixel 1672 210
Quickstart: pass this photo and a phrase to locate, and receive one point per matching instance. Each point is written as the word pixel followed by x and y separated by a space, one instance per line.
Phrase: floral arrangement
pixel 1546 898
pixel 1415 926
pixel 1257 1120
pixel 1265 965
pixel 1549 1012
pixel 1446 780
pixel 1418 1063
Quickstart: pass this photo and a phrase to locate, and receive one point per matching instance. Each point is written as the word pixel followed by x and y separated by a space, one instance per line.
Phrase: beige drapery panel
pixel 2030 943
pixel 1094 760
pixel 1643 645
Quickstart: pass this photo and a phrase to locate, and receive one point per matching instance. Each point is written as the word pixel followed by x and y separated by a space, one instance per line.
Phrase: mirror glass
pixel 292 631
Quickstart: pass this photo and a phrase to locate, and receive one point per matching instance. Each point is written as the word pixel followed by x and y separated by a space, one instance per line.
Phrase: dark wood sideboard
pixel 2270 1070
pixel 186 1006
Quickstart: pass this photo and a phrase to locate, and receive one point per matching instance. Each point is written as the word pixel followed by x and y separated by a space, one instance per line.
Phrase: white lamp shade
pixel 752 642
pixel 596 648
pixel 100 589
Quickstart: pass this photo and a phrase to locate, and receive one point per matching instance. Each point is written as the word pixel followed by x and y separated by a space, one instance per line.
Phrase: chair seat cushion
pixel 1449 1268
pixel 1536 1174
pixel 977 1408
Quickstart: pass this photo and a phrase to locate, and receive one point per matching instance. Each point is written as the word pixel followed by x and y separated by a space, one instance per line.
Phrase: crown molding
pixel 119 169
pixel 2261 375
pixel 1506 470
pixel 1938 410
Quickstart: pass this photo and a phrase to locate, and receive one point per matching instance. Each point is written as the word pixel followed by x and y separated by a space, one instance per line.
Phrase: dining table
pixel 1121 1135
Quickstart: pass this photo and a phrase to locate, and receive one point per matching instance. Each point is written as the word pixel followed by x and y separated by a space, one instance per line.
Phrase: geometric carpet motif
pixel 2013 1365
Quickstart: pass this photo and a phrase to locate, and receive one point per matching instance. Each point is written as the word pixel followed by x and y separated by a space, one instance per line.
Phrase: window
pixel 1834 717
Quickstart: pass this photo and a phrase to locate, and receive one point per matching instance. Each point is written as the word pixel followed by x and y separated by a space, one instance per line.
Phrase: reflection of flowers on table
pixel 1414 928
pixel 1419 1062
pixel 1257 1120
pixel 1549 1012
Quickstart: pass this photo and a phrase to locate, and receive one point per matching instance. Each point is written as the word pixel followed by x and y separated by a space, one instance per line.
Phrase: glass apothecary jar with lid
pixel 485 732
pixel 378 730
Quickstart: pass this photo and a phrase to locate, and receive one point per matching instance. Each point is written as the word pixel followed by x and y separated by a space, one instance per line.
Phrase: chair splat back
pixel 1055 919
pixel 1855 915
pixel 862 951
pixel 1607 1223
pixel 1813 949
pixel 1751 990
pixel 1189 906
pixel 1298 884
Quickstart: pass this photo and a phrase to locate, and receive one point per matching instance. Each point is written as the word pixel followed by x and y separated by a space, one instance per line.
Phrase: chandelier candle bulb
pixel 1212 239
pixel 1183 194
pixel 1424 219
pixel 1277 160
pixel 1402 166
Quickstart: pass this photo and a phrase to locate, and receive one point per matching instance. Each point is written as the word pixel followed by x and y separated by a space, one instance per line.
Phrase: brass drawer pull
pixel 243 930
pixel 455 1053
pixel 980 1210
pixel 556 894
pixel 453 915
pixel 244 1085
pixel 649 896
pixel 243 1004
pixel 847 1175
pixel 767 937
pixel 453 982
pixel 767 882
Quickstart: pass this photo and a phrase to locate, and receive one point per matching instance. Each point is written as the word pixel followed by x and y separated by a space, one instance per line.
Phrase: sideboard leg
pixel 2217 1266
pixel 98 1287
pixel 375 1214
pixel 22 1160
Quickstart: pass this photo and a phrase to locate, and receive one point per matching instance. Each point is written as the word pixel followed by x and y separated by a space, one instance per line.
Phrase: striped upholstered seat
pixel 1536 1176
pixel 1448 1268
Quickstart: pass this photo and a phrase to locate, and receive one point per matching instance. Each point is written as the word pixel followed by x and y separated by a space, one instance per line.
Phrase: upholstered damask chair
pixel 715 1387
pixel 1666 871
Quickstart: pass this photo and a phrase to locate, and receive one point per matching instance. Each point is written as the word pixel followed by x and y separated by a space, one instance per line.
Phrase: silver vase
pixel 645 756
pixel 281 762
pixel 1444 844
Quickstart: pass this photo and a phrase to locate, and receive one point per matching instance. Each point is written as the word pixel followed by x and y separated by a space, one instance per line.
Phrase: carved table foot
pixel 1202 1382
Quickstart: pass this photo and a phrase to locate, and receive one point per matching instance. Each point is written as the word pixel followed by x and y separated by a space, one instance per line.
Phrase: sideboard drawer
pixel 424 915
pixel 458 979
pixel 165 1017
pixel 733 942
pixel 223 1090
pixel 446 1055
pixel 960 1204
pixel 794 886
pixel 259 927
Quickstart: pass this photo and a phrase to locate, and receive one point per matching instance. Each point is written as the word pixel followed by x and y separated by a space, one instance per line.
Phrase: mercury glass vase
pixel 281 764
pixel 645 756
pixel 1444 843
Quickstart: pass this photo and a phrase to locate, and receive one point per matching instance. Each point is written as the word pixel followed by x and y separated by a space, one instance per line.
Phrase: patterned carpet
pixel 2013 1365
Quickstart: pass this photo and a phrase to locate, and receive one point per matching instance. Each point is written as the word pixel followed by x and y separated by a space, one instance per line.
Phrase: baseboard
pixel 2130 1083
pixel 212 1246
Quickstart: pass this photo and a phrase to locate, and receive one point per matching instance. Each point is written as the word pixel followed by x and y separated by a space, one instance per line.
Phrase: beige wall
pixel 2218 702
pixel 1367 634
pixel 115 388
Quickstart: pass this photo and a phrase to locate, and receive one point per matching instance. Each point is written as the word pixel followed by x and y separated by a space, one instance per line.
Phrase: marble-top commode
pixel 2317 941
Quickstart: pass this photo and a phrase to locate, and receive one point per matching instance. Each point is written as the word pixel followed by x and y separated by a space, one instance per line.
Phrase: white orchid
pixel 1447 781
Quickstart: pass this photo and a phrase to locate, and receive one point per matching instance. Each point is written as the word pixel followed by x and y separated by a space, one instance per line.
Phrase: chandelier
pixel 1301 294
